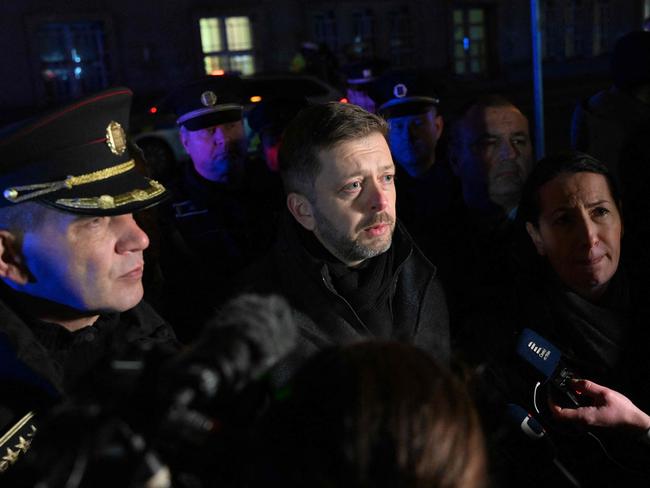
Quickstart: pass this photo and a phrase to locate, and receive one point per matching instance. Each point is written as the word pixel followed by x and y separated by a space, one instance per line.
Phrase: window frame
pixel 226 52
pixel 111 57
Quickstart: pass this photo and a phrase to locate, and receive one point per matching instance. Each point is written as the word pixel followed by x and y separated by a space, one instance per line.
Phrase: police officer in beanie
pixel 220 216
pixel 71 260
pixel 424 181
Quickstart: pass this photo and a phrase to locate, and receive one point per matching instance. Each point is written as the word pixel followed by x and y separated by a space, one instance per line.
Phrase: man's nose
pixel 131 238
pixel 220 136
pixel 377 197
pixel 509 150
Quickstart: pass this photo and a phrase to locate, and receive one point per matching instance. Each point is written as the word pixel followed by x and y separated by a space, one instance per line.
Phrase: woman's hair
pixel 550 167
pixel 377 414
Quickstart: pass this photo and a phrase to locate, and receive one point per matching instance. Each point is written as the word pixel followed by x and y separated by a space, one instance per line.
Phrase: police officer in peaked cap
pixel 407 100
pixel 71 260
pixel 360 77
pixel 218 217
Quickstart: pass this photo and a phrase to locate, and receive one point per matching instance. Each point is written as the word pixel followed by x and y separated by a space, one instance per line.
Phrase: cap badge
pixel 208 99
pixel 400 90
pixel 115 138
pixel 367 73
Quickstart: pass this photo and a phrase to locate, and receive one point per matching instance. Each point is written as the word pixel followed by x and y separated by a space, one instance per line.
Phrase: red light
pixel 344 100
pixel 217 72
pixel 153 110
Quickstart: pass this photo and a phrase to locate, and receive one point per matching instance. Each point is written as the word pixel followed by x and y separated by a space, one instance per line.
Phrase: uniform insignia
pixel 115 138
pixel 367 73
pixel 208 98
pixel 16 441
pixel 400 90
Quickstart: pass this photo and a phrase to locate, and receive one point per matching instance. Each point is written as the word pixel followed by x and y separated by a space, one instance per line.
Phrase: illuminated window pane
pixel 242 63
pixel 238 33
pixel 470 41
pixel 210 35
pixel 227 44
pixel 215 64
pixel 476 16
pixel 476 32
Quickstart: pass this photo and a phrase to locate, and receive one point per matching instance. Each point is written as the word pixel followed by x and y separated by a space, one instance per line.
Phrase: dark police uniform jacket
pixel 325 317
pixel 42 363
pixel 210 232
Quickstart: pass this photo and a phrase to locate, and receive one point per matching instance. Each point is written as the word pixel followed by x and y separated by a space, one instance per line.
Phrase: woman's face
pixel 579 231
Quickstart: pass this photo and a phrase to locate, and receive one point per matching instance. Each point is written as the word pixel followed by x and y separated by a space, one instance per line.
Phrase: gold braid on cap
pixel 14 195
pixel 108 201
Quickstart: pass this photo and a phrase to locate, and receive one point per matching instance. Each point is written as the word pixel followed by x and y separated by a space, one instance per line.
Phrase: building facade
pixel 58 50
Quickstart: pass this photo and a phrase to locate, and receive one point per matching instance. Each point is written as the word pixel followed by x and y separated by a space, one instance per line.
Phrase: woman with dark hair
pixel 575 290
pixel 374 414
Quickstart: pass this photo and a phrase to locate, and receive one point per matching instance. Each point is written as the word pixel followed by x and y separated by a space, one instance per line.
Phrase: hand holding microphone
pixel 609 409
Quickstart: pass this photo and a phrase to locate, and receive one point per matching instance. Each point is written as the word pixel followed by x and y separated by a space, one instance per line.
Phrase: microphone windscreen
pixel 526 422
pixel 538 352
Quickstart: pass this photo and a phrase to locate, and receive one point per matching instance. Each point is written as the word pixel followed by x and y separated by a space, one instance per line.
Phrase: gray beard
pixel 344 248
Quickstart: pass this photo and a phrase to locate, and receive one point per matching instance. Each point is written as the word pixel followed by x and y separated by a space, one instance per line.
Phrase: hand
pixel 610 409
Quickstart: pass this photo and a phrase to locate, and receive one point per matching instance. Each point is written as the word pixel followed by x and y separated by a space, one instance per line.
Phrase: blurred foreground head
pixel 376 414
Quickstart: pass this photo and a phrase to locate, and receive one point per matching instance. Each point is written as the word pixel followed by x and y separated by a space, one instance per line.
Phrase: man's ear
pixel 11 259
pixel 302 210
pixel 182 134
pixel 534 234
pixel 439 124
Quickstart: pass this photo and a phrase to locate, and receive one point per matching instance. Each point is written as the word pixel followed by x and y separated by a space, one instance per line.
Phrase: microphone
pixel 220 375
pixel 250 335
pixel 527 423
pixel 533 430
pixel 546 358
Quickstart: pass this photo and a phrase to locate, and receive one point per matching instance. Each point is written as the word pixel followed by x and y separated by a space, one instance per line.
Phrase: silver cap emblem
pixel 208 99
pixel 400 90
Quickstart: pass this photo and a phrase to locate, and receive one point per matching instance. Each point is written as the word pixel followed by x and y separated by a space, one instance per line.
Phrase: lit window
pixel 470 41
pixel 227 45
pixel 72 59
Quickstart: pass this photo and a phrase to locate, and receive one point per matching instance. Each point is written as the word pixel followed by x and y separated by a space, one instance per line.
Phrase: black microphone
pixel 243 344
pixel 533 430
pixel 248 336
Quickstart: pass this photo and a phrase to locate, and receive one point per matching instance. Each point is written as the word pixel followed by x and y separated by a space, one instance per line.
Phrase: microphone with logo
pixel 533 430
pixel 547 360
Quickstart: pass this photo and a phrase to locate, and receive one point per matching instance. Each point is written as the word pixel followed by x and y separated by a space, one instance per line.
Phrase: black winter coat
pixel 324 317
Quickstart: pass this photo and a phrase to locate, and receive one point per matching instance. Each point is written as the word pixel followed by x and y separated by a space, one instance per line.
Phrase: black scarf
pixel 366 287
pixel 592 335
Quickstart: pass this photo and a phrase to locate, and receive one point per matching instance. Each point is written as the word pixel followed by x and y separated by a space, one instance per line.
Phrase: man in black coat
pixel 71 258
pixel 341 258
